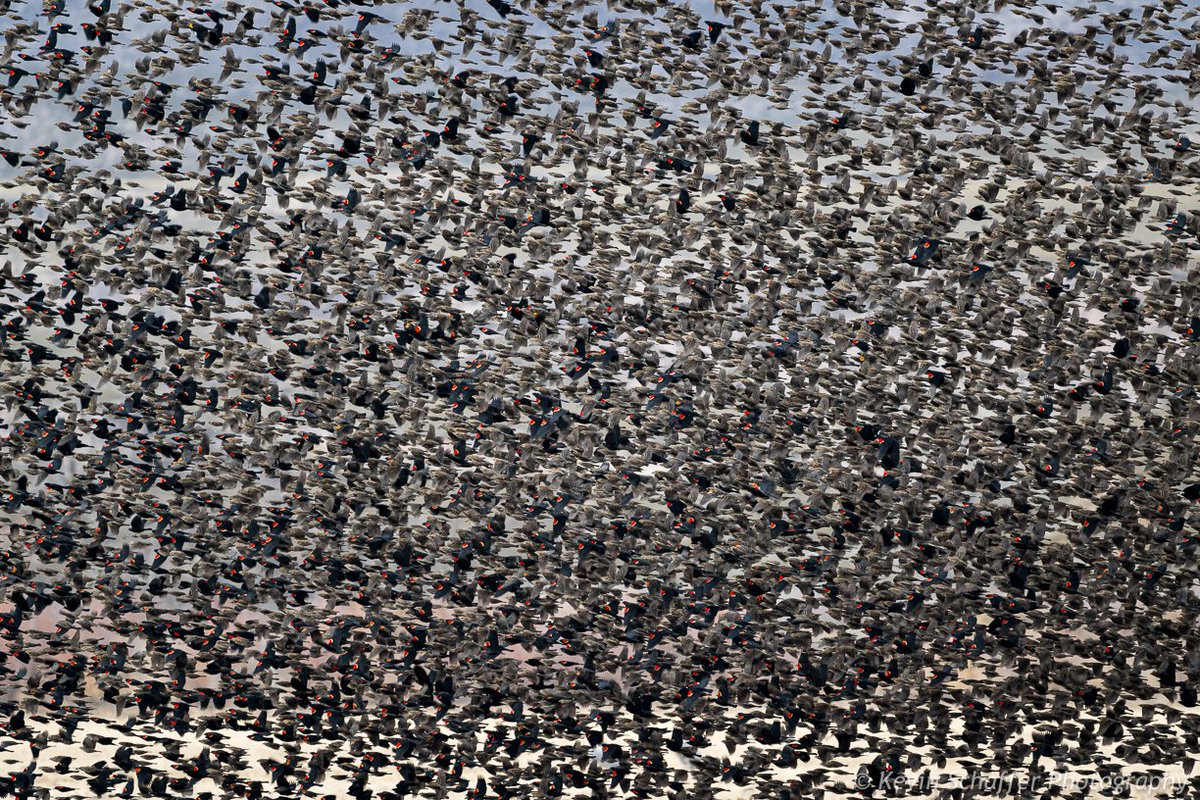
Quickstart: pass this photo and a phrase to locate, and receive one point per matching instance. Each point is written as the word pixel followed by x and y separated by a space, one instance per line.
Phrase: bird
pixel 521 399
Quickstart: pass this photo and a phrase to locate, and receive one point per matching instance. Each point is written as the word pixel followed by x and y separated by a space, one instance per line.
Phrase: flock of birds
pixel 533 399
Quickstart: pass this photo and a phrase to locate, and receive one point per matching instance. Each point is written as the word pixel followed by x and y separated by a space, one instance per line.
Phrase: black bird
pixel 924 251
pixel 750 135
pixel 683 202
pixel 501 7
